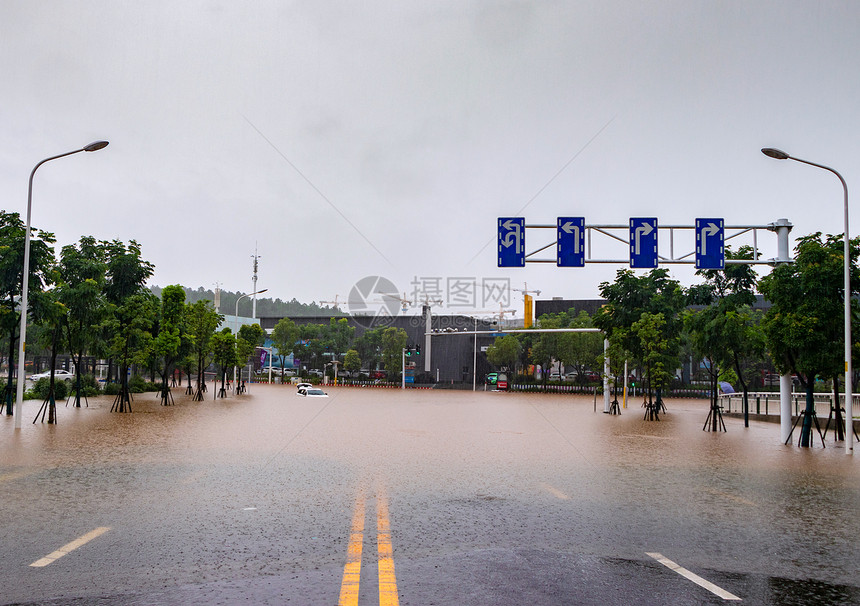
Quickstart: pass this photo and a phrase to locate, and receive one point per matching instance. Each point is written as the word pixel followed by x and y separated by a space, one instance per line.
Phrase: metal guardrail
pixel 767 402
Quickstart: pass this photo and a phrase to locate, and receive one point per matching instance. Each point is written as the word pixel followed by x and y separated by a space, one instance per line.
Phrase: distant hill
pixel 266 307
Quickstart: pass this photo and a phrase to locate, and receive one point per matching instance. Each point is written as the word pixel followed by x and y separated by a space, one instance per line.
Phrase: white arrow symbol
pixel 570 228
pixel 711 230
pixel 642 230
pixel 513 236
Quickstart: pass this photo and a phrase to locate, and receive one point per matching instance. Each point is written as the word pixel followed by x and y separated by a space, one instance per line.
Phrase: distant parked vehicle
pixel 59 375
pixel 502 381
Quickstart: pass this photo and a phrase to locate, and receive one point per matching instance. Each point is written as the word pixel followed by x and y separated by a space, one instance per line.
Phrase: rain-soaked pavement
pixel 419 497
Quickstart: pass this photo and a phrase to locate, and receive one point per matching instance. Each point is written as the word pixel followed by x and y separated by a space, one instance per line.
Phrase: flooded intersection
pixel 420 497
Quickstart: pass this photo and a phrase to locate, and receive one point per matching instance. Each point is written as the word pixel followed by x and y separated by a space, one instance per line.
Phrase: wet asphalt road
pixel 425 497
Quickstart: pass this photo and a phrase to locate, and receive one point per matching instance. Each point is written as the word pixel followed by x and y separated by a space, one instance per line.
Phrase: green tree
pixel 249 338
pixel 393 343
pixel 352 361
pixel 650 331
pixel 340 336
pixel 545 346
pixel 12 235
pixel 581 351
pixel 52 315
pixel 311 346
pixel 369 347
pixel 169 335
pixel 201 323
pixel 82 270
pixel 285 336
pixel 504 352
pixel 224 354
pixel 804 327
pixel 727 332
pixel 132 311
pixel 628 299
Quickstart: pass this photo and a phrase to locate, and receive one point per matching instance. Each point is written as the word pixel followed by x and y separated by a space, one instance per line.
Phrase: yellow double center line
pixel 352 570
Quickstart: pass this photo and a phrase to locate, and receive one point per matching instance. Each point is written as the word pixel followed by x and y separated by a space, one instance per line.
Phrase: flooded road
pixel 419 497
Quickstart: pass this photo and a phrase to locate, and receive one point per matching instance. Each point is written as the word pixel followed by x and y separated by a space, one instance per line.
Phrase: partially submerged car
pixel 312 392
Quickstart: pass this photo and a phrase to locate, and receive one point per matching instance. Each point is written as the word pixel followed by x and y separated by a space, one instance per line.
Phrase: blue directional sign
pixel 643 242
pixel 710 247
pixel 512 242
pixel 571 242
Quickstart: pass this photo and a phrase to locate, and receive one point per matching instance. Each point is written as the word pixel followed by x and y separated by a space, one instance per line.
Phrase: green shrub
pixel 89 386
pixel 137 384
pixel 111 389
pixel 152 386
pixel 43 386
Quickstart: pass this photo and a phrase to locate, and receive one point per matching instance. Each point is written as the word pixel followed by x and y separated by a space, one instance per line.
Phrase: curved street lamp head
pixel 775 153
pixel 95 146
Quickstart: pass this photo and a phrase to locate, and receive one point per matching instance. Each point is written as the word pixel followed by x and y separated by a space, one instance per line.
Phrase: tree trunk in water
pixel 806 429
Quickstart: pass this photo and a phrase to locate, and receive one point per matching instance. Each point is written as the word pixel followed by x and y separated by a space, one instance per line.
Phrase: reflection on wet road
pixel 422 497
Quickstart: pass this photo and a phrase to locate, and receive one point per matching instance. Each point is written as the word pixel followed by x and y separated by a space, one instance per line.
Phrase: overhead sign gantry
pixel 642 235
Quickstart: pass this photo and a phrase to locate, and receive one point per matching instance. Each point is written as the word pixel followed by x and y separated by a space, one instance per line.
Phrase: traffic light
pixel 417 350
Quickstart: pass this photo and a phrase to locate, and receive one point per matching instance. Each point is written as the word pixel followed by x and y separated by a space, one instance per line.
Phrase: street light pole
pixel 25 282
pixel 236 327
pixel 849 387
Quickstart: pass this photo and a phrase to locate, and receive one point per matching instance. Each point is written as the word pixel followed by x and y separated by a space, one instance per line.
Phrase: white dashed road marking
pixel 718 591
pixel 65 549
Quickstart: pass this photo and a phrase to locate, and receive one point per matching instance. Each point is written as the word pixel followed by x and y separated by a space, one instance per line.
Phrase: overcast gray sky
pixel 348 139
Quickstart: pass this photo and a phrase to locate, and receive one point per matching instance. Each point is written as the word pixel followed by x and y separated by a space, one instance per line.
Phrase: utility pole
pixel 256 258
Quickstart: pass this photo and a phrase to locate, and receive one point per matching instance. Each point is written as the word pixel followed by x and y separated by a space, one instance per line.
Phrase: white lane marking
pixel 554 491
pixel 718 591
pixel 68 548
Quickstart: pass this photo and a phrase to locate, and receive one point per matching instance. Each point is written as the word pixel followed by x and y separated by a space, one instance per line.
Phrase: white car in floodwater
pixel 312 392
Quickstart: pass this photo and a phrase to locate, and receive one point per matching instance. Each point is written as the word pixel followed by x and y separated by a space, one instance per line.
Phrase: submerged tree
pixel 726 332
pixel 12 235
pixel 132 311
pixel 82 270
pixel 169 336
pixel 629 298
pixel 804 327
pixel 201 323
pixel 224 354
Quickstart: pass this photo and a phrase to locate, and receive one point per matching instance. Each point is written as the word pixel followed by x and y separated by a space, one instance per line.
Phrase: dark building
pixel 452 355
pixel 554 306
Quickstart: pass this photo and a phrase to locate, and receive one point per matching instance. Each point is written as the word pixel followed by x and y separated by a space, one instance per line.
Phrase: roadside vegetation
pixel 91 302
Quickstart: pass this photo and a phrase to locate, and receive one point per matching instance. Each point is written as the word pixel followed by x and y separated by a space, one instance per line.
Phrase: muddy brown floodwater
pixel 481 498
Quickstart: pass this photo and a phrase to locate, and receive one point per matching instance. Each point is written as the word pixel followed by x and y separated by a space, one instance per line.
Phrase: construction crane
pixel 405 303
pixel 528 309
pixel 500 313
pixel 333 303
